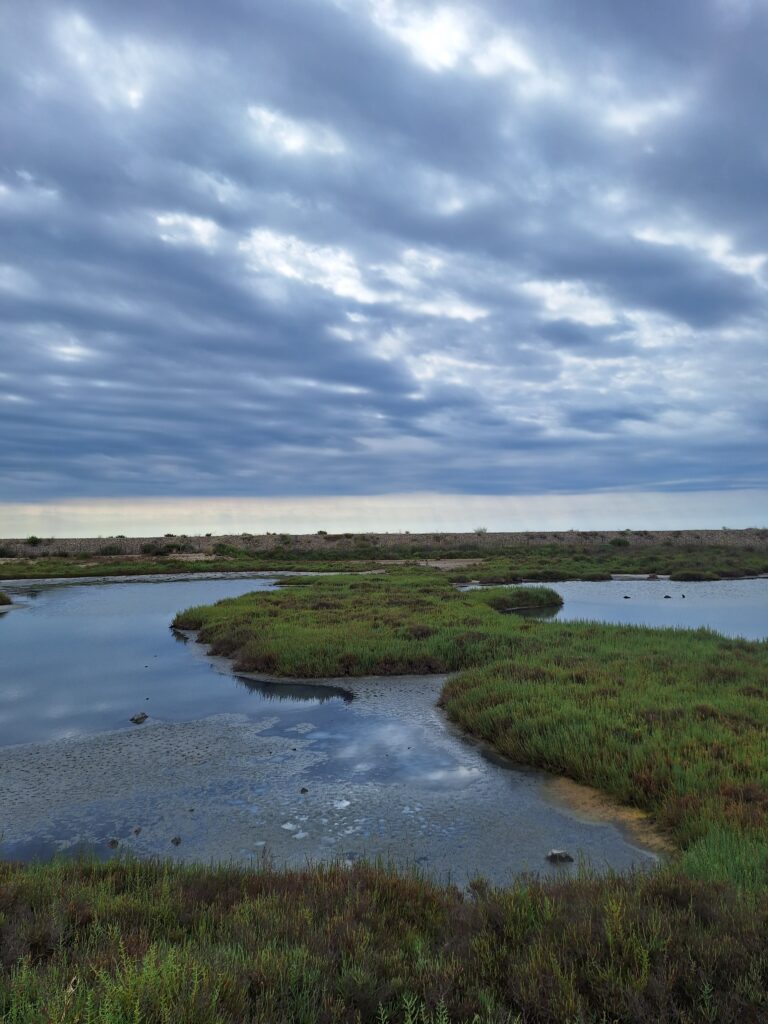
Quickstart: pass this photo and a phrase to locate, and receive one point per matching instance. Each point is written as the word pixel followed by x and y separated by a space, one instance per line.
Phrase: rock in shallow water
pixel 559 857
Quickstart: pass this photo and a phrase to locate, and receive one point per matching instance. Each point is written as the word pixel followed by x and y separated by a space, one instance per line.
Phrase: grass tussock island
pixel 671 721
pixel 4 599
pixel 401 622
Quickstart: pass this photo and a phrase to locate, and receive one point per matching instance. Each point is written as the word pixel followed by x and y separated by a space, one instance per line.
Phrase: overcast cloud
pixel 318 247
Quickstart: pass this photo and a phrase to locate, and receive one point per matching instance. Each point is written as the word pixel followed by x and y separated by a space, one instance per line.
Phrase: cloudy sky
pixel 370 247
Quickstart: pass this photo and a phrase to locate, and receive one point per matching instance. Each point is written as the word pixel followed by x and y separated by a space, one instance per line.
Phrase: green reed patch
pixel 409 621
pixel 150 943
pixel 4 599
pixel 672 721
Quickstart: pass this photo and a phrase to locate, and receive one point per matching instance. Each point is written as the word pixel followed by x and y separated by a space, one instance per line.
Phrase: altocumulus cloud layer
pixel 360 246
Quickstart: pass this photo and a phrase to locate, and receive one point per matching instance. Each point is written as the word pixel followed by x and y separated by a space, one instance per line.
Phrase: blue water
pixel 83 658
pixel 732 607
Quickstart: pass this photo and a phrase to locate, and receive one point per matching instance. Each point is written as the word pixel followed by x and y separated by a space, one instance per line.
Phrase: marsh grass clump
pixel 153 943
pixel 672 721
pixel 4 599
pixel 516 599
pixel 409 621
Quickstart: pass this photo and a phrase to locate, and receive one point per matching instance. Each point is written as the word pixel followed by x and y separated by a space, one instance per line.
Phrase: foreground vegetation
pixel 147 943
pixel 4 599
pixel 672 721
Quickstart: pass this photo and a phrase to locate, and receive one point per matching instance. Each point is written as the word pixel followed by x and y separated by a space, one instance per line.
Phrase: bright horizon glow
pixel 391 513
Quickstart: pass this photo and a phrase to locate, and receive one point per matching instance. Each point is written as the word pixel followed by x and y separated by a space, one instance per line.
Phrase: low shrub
pixel 111 549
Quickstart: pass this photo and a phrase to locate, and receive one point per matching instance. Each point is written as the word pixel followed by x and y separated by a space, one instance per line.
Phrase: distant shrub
pixel 178 547
pixel 322 533
pixel 34 541
pixel 228 550
pixel 480 530
pixel 619 542
pixel 7 552
pixel 169 534
pixel 111 549
pixel 150 548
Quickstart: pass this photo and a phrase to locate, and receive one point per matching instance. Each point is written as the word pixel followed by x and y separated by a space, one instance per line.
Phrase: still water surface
pixel 236 768
pixel 732 607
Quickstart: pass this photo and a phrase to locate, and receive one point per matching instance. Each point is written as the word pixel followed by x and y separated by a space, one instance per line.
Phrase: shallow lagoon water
pixel 732 607
pixel 222 762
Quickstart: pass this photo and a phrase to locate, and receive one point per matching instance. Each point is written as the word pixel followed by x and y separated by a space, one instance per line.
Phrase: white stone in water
pixel 559 857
